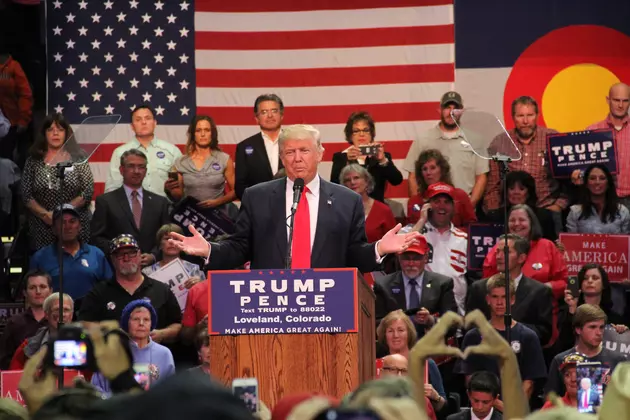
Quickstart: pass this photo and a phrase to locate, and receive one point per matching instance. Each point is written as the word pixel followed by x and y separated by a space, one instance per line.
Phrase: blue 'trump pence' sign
pixel 282 302
pixel 571 151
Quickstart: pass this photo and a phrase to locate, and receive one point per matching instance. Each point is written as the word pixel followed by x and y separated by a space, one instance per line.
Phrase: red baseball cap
pixel 439 188
pixel 419 246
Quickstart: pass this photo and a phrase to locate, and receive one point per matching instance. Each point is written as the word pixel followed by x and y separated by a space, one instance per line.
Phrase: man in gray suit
pixel 420 293
pixel 483 391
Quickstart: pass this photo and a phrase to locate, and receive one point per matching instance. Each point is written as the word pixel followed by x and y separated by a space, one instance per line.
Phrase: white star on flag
pixel 122 96
pixel 108 58
pixel 158 84
pixel 134 82
pixel 146 71
pixel 171 71
pixel 58 83
pixel 171 97
pixel 146 18
pixel 96 18
pixel 133 4
pixel 146 44
pixel 58 109
pixel 183 58
pixel 109 109
pixel 108 4
pixel 96 71
pixel 108 31
pixel 159 5
pixel 70 70
pixel 84 109
pixel 183 84
pixel 121 43
pixel 83 83
pixel 171 18
pixel 133 31
pixel 96 97
pixel 57 30
pixel 158 31
pixel 83 57
pixel 83 31
pixel 121 69
pixel 57 57
pixel 121 17
pixel 70 18
pixel 96 45
pixel 133 57
pixel 109 83
pixel 71 96
pixel 70 43
pixel 183 32
pixel 57 4
pixel 158 58
pixel 146 97
pixel 83 5
pixel 184 5
pixel 159 110
pixel 171 45
pixel 184 110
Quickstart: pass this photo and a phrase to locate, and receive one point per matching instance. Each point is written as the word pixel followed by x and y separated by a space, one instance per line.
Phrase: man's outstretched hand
pixel 393 243
pixel 191 245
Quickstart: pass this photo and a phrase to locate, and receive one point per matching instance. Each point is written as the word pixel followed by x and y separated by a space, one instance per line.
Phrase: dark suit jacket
pixel 532 306
pixel 252 164
pixel 465 415
pixel 593 398
pixel 261 232
pixel 381 174
pixel 437 292
pixel 113 217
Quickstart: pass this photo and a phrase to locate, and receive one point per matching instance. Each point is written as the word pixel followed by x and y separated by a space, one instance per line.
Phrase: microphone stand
pixel 502 161
pixel 61 169
pixel 289 257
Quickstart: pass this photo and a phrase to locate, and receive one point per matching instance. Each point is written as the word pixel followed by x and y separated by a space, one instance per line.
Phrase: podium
pixel 293 330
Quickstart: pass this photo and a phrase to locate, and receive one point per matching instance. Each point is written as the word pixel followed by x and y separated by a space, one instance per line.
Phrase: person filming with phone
pixel 32 344
pixel 360 132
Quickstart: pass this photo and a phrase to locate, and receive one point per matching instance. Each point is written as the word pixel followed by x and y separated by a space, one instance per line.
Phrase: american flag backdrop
pixel 324 58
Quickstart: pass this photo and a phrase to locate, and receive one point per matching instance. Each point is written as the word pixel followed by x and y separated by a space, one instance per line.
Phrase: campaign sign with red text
pixel 10 380
pixel 611 251
pixel 570 151
pixel 481 238
pixel 282 301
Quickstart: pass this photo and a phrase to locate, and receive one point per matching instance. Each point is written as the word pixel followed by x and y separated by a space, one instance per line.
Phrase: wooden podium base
pixel 285 364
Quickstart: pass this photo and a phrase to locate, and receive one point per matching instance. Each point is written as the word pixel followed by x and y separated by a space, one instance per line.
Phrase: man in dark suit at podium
pixel 258 157
pixel 329 225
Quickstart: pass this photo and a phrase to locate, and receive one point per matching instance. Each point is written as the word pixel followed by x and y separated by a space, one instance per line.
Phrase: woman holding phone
pixel 204 170
pixel 360 132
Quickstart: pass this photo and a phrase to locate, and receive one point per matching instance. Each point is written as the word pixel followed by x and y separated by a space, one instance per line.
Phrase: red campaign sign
pixel 10 380
pixel 610 251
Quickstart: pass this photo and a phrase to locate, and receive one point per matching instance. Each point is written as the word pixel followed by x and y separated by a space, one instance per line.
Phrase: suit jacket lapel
pixel 325 217
pixel 123 201
pixel 278 212
pixel 262 151
pixel 426 288
pixel 399 284
pixel 521 294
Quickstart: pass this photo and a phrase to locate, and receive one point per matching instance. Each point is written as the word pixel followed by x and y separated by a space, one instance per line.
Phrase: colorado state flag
pixel 566 54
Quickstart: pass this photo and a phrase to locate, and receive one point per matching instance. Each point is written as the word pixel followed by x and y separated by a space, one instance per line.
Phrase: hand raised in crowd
pixel 571 301
pixel 619 328
pixel 423 317
pixel 47 218
pixel 576 177
pixel 191 245
pixel 353 153
pixel 146 259
pixel 36 389
pixel 208 204
pixel 188 284
pixel 111 357
pixel 171 184
pixel 380 154
pixel 430 392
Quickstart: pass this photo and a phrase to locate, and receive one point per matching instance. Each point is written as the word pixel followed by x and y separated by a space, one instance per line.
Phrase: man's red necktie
pixel 301 249
pixel 585 400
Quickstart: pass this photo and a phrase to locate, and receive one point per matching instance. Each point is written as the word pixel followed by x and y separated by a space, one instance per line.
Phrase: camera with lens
pixel 72 348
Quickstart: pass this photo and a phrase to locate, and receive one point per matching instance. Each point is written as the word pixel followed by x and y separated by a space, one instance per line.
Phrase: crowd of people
pixel 424 289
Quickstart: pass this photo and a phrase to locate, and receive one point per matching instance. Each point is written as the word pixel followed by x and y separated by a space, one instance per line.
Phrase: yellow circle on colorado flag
pixel 576 97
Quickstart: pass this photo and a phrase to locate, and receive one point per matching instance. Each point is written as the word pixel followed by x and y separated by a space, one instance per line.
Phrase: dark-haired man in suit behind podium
pixel 329 227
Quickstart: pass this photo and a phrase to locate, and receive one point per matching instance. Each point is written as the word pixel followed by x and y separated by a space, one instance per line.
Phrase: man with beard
pixel 467 169
pixel 531 141
pixel 258 157
pixel 107 299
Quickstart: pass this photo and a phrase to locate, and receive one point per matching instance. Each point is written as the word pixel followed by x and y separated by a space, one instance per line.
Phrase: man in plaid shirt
pixel 531 141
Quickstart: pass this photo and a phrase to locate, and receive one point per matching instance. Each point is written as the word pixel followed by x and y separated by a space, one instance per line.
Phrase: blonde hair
pixel 498 280
pixel 300 132
pixel 381 331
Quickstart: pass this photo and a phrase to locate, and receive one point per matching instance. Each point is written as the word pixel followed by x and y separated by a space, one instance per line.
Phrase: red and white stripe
pixel 325 59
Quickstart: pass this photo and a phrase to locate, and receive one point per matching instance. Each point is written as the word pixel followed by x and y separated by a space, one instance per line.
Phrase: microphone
pixel 298 187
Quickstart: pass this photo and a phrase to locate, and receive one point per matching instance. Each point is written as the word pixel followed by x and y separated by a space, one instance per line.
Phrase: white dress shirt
pixel 128 191
pixel 273 152
pixel 473 417
pixel 517 281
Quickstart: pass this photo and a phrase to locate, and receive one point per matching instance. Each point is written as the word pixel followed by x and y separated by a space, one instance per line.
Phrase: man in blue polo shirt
pixel 83 265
